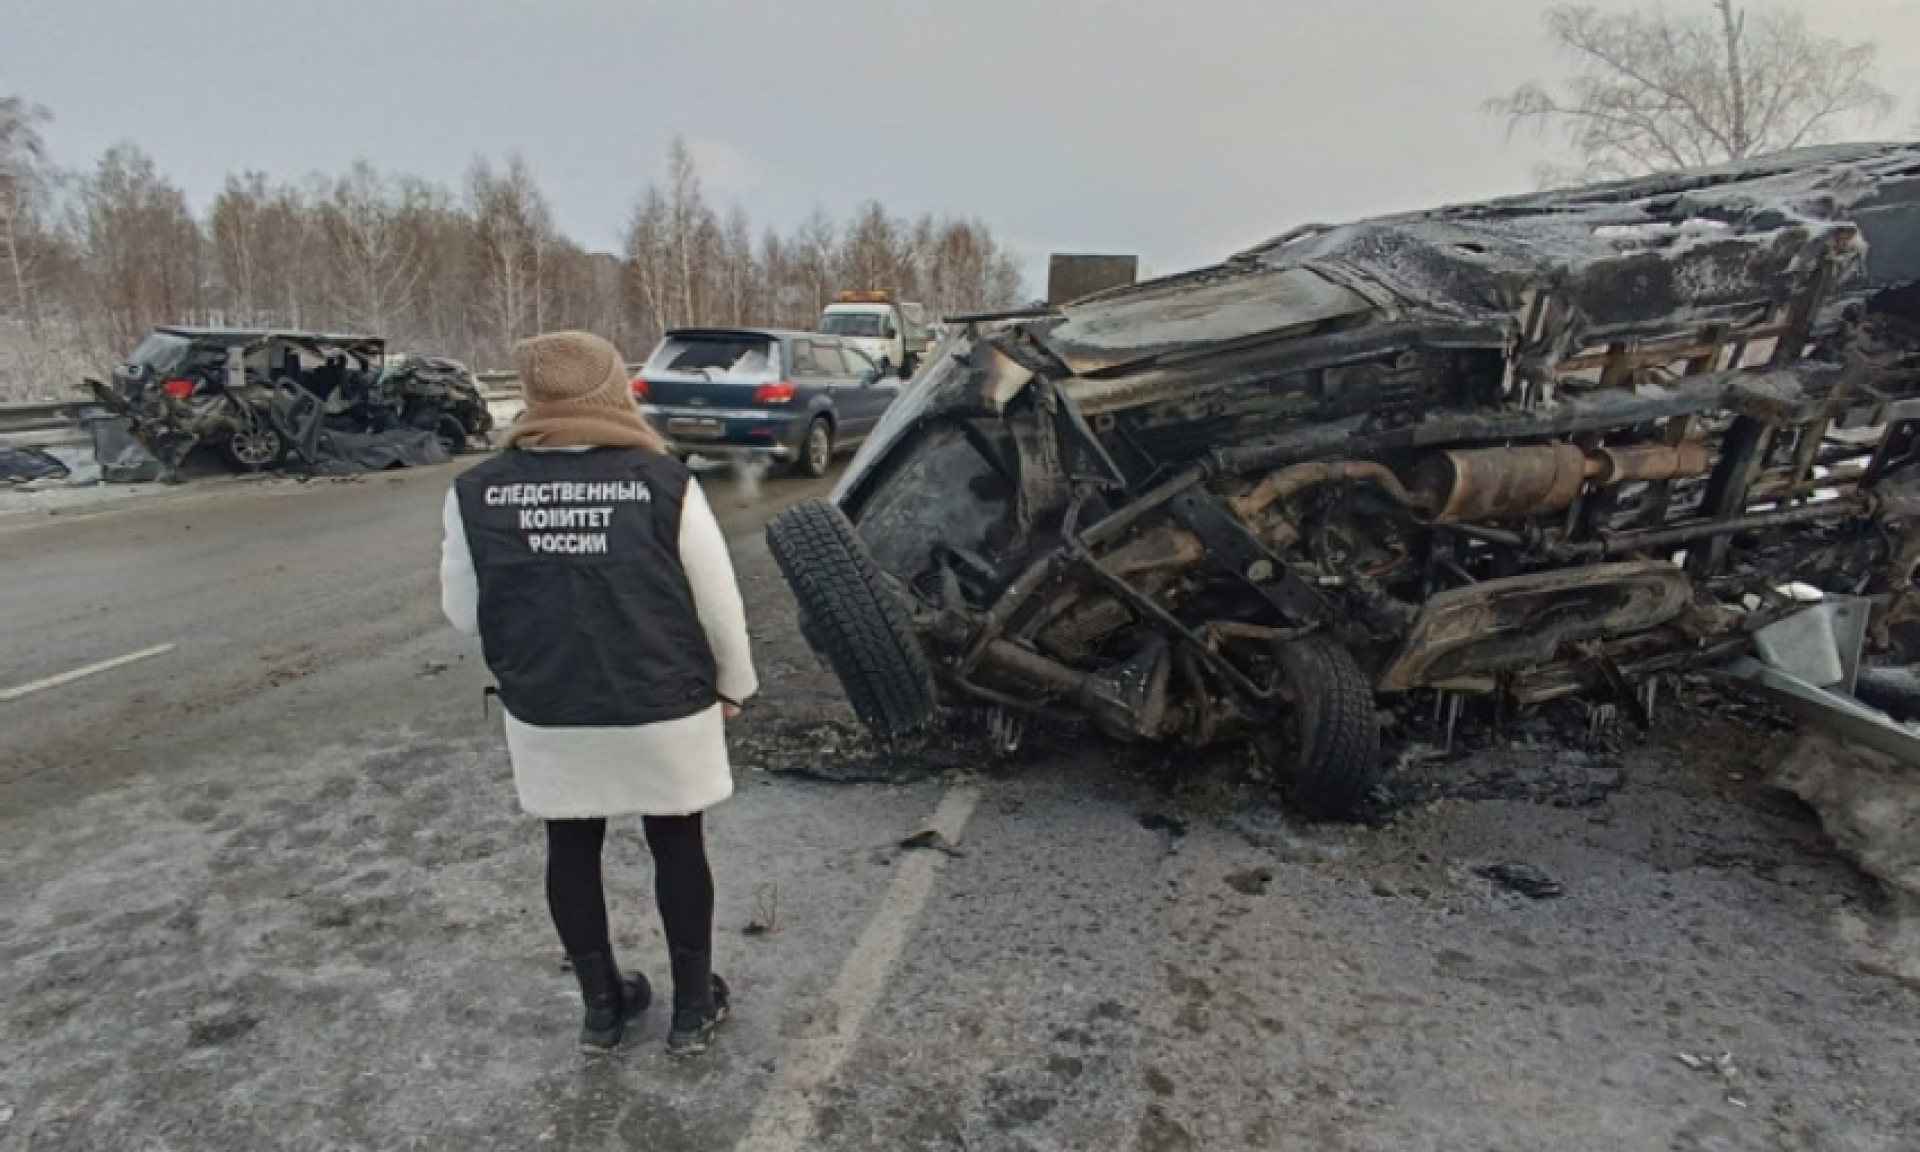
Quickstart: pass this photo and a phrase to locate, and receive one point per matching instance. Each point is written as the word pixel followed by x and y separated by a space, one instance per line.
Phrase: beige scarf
pixel 580 425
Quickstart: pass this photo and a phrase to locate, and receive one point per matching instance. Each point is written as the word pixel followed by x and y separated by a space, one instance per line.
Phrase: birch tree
pixel 22 159
pixel 739 274
pixel 368 225
pixel 692 232
pixel 1654 91
pixel 140 250
pixel 513 234
pixel 261 241
pixel 648 283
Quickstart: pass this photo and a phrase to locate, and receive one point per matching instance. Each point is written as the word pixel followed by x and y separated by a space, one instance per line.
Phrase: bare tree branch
pixel 1653 91
pixel 22 154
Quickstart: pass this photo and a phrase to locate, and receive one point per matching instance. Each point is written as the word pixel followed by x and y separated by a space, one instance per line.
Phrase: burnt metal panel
pixel 1073 277
pixel 1666 251
pixel 1152 323
pixel 1506 625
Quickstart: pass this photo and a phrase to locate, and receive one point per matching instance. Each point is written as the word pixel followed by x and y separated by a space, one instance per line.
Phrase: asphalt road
pixel 267 888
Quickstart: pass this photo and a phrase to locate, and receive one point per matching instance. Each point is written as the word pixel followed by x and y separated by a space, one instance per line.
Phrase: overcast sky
pixel 1178 129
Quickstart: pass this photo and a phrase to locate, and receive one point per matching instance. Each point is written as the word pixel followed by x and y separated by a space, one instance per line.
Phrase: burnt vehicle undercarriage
pixel 1540 448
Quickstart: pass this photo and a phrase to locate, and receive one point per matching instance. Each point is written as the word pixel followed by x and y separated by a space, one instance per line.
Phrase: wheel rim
pixel 819 448
pixel 256 447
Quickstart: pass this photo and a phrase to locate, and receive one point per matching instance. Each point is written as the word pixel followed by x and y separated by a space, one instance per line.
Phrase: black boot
pixel 612 1000
pixel 700 1003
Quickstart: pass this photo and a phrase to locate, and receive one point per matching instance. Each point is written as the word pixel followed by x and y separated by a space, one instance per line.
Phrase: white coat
pixel 673 768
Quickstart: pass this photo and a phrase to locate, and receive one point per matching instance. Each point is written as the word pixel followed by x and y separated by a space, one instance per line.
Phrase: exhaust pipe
pixel 1517 483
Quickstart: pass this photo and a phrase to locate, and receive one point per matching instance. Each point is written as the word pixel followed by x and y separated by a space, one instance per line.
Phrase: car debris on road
pixel 1524 879
pixel 30 466
pixel 1545 447
pixel 1722 1066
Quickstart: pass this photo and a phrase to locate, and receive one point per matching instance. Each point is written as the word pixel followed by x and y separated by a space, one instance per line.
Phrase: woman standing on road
pixel 593 571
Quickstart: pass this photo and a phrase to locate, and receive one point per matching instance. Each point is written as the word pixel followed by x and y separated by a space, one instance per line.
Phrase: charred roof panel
pixel 1160 321
pixel 1681 249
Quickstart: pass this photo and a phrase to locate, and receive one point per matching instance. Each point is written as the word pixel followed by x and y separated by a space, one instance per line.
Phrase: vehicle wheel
pixel 256 446
pixel 852 619
pixel 816 451
pixel 1336 737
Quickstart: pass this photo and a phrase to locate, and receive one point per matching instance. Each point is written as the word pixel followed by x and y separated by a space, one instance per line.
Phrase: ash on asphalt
pixel 842 752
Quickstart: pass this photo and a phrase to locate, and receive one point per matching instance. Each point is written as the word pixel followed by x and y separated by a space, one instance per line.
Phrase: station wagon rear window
pixel 742 354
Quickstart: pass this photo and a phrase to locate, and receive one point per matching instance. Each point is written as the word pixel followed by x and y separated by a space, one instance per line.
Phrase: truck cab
pixel 892 333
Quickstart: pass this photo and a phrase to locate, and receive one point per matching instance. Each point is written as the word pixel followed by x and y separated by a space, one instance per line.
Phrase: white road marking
pixel 784 1121
pixel 7 694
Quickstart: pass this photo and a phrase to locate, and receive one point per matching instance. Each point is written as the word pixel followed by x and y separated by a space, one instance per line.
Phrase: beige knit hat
pixel 577 393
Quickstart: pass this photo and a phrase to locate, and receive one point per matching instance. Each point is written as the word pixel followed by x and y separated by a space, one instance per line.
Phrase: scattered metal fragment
pixel 932 840
pixel 30 466
pixel 1830 708
pixel 1722 1066
pixel 1525 879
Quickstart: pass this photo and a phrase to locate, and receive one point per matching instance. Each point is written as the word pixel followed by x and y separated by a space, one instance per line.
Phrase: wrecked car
pixel 262 399
pixel 437 394
pixel 1546 447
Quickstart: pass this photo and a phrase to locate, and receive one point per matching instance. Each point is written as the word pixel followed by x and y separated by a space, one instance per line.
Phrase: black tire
pixel 852 619
pixel 1895 691
pixel 1336 735
pixel 816 450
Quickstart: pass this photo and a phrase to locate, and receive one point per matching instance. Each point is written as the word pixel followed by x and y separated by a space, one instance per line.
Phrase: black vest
pixel 586 616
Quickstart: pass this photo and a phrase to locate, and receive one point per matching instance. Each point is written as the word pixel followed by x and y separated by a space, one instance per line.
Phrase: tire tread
pixel 1338 761
pixel 852 619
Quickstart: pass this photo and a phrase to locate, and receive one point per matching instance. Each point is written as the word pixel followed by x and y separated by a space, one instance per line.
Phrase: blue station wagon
pixel 798 398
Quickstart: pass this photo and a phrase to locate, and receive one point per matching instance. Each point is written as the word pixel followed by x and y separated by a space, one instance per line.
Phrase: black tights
pixel 682 882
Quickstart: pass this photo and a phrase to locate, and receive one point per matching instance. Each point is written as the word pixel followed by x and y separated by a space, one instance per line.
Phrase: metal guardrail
pixel 496 386
pixel 43 415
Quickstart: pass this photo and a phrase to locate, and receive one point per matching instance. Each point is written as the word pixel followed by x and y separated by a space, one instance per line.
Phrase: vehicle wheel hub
pixel 256 445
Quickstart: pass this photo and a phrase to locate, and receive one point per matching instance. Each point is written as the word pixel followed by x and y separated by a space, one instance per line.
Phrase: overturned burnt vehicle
pixel 1543 447
pixel 266 399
